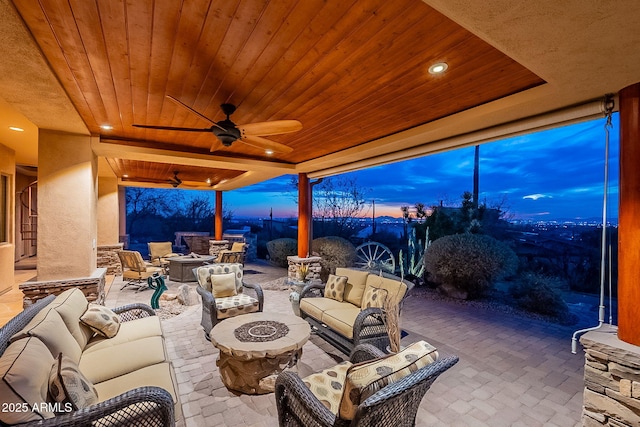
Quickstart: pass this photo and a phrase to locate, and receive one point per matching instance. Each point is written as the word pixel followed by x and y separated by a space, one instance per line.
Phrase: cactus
pixel 415 256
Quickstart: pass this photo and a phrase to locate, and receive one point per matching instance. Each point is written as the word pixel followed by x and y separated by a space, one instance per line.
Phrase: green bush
pixel 335 252
pixel 280 249
pixel 467 265
pixel 539 293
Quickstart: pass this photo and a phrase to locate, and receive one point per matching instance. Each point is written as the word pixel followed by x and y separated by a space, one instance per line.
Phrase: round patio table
pixel 256 347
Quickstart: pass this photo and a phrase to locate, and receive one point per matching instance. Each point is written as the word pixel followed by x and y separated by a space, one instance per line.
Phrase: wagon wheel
pixel 375 256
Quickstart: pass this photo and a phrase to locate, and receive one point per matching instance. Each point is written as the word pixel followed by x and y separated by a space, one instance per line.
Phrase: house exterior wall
pixel 108 211
pixel 7 249
pixel 67 206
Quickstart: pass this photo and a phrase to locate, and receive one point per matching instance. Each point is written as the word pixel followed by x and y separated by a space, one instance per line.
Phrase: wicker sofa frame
pixel 368 328
pixel 395 405
pixel 142 406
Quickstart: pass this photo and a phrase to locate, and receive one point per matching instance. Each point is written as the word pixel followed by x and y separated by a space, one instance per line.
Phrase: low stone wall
pixel 314 267
pixel 197 244
pixel 92 287
pixel 108 258
pixel 215 246
pixel 612 380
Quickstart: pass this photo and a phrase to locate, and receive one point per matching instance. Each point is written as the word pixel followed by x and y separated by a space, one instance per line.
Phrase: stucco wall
pixel 108 211
pixel 67 206
pixel 8 168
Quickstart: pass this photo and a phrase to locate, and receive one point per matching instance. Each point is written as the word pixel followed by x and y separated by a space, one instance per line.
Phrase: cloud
pixel 537 196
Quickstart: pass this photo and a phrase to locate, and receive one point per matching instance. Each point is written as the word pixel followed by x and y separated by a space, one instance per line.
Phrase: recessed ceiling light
pixel 17 129
pixel 268 152
pixel 438 68
pixel 106 127
pixel 208 180
pixel 125 176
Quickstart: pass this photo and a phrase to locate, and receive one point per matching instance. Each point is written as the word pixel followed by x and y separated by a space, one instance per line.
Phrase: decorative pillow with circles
pixel 373 297
pixel 67 385
pixel 101 320
pixel 335 286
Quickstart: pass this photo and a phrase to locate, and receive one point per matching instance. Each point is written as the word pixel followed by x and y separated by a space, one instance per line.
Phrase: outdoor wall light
pixel 17 129
pixel 438 68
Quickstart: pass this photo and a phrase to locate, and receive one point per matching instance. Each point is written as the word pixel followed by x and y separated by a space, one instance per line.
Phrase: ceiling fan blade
pixel 275 127
pixel 263 143
pixel 172 128
pixel 202 116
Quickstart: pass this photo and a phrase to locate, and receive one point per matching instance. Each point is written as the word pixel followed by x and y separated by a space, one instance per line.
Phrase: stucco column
pixel 304 214
pixel 629 212
pixel 67 206
pixel 218 218
pixel 108 211
pixel 7 244
pixel 122 220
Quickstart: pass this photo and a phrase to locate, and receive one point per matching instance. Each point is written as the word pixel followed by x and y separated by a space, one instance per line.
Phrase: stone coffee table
pixel 181 267
pixel 256 347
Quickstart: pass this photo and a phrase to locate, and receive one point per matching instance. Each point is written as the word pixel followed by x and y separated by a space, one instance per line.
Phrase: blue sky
pixel 549 175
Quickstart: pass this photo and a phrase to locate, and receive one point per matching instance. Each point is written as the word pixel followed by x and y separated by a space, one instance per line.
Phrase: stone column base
pixel 92 287
pixel 312 262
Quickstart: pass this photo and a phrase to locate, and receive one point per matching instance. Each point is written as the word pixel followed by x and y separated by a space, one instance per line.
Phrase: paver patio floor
pixel 512 371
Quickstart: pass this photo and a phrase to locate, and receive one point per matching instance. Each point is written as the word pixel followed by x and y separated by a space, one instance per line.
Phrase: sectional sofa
pixel 64 361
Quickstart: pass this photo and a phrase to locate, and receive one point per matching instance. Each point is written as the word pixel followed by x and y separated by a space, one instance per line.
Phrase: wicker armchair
pixel 248 298
pixel 394 405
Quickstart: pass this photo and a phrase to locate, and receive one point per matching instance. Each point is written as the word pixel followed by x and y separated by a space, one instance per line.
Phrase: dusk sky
pixel 555 174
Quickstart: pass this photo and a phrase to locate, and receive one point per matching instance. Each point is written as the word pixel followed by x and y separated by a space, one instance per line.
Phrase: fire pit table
pixel 256 347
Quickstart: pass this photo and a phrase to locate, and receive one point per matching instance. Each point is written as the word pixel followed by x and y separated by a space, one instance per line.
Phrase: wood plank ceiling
pixel 351 71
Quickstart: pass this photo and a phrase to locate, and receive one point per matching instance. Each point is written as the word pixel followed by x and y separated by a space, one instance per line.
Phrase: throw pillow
pixel 373 297
pixel 101 320
pixel 237 247
pixel 223 285
pixel 365 379
pixel 335 286
pixel 68 386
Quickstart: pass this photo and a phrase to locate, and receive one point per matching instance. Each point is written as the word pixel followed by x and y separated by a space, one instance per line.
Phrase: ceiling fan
pixel 228 132
pixel 175 181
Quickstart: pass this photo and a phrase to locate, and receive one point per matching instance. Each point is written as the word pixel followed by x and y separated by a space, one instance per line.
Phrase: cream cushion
pixel 24 369
pixel 235 305
pixel 111 362
pixel 395 288
pixel 335 286
pixel 53 333
pixel 356 282
pixel 159 375
pixel 314 307
pixel 129 331
pixel 328 385
pixel 365 379
pixel 203 274
pixel 341 319
pixel 67 385
pixel 237 247
pixel 223 285
pixel 101 320
pixel 71 305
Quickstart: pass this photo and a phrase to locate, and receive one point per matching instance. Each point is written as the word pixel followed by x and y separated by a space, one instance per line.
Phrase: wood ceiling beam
pixel 122 151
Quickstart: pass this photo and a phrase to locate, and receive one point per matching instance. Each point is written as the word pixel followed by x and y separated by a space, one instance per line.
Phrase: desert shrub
pixel 280 249
pixel 539 293
pixel 467 265
pixel 335 252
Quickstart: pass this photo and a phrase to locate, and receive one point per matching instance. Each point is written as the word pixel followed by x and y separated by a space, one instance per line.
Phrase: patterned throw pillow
pixel 67 385
pixel 101 320
pixel 365 379
pixel 335 287
pixel 327 385
pixel 223 285
pixel 373 297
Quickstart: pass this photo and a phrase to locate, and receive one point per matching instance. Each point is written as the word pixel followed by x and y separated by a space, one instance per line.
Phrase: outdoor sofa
pixel 57 370
pixel 346 311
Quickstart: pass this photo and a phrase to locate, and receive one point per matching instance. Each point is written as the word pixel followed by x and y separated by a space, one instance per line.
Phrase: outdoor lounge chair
pixel 160 252
pixel 136 271
pixel 221 298
pixel 391 399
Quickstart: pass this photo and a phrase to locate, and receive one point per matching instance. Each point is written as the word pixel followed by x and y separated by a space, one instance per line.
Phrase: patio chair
pixel 236 253
pixel 392 399
pixel 224 294
pixel 160 252
pixel 136 271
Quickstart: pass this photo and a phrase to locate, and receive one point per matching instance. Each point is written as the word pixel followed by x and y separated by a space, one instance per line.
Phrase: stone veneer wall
pixel 612 380
pixel 108 258
pixel 215 246
pixel 314 267
pixel 92 287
